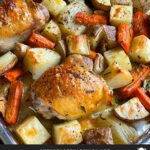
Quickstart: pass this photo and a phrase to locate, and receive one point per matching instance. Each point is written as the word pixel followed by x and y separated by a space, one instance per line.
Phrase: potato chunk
pixel 31 131
pixel 66 18
pixel 121 14
pixel 54 6
pixel 67 133
pixel 98 136
pixel 95 34
pixel 78 44
pixel 140 49
pixel 117 77
pixel 121 2
pixel 102 4
pixel 119 56
pixel 38 60
pixel 52 31
pixel 110 34
pixel 132 110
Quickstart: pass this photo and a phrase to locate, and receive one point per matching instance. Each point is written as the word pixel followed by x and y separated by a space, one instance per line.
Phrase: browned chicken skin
pixel 68 91
pixel 17 19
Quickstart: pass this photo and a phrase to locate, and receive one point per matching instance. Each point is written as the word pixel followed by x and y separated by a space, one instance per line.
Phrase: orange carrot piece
pixel 14 74
pixel 92 55
pixel 90 19
pixel 14 100
pixel 143 97
pixel 139 75
pixel 125 36
pixel 36 40
pixel 140 23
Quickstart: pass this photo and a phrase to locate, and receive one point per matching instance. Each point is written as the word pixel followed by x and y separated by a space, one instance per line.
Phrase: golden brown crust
pixel 15 18
pixel 70 90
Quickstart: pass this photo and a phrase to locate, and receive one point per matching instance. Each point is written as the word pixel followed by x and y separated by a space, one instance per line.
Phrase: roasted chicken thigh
pixel 17 20
pixel 69 91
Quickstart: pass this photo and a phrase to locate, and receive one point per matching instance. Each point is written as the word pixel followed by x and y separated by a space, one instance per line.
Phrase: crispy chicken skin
pixel 68 91
pixel 17 19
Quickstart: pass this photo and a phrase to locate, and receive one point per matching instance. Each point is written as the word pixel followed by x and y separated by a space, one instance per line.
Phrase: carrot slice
pixel 90 19
pixel 125 36
pixel 14 100
pixel 14 74
pixel 143 97
pixel 36 40
pixel 140 23
pixel 138 75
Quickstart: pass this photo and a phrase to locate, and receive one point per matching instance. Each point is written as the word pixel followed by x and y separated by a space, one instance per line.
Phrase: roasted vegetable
pixel 98 136
pixel 132 110
pixel 99 63
pixel 125 36
pixel 14 101
pixel 110 35
pixel 140 24
pixel 138 77
pixel 144 98
pixel 78 44
pixel 67 133
pixel 61 48
pixel 122 133
pixel 140 49
pixel 38 60
pixel 20 50
pixel 4 87
pixel 7 62
pixel 31 131
pixel 90 19
pixel 37 40
pixel 14 74
pixel 66 18
pixel 54 6
pixel 116 76
pixel 119 56
pixel 3 105
pixel 95 34
pixel 121 2
pixel 102 4
pixel 121 14
pixel 52 31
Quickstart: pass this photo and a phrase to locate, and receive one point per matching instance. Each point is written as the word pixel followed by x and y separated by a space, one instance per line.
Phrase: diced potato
pixel 31 131
pixel 121 2
pixel 121 14
pixel 7 61
pixel 61 48
pixel 20 50
pixel 95 34
pixel 102 4
pixel 140 49
pixel 52 31
pixel 38 60
pixel 67 133
pixel 54 6
pixel 117 77
pixel 110 34
pixel 98 136
pixel 132 110
pixel 78 44
pixel 119 56
pixel 66 19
